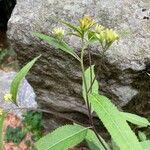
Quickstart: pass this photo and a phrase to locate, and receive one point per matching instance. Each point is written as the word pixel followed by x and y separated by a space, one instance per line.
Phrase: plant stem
pixel 90 62
pixel 102 57
pixel 86 90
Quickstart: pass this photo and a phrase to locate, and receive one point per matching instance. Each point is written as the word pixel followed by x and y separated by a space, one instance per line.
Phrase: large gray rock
pixel 56 77
pixel 25 97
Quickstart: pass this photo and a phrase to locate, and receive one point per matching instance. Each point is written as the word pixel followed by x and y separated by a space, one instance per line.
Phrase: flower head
pixel 111 36
pixel 99 28
pixel 58 32
pixel 106 36
pixel 86 22
pixel 1 111
pixel 8 97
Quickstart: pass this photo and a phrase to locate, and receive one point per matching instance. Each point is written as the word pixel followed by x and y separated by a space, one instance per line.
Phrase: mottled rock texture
pixel 56 77
pixel 25 98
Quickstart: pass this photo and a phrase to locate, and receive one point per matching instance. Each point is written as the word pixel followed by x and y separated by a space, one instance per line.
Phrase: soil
pixel 13 121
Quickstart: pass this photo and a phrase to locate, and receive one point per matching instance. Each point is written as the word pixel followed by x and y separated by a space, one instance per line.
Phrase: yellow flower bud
pixel 58 32
pixel 111 36
pixel 99 28
pixel 1 111
pixel 8 97
pixel 86 22
pixel 106 36
pixel 101 36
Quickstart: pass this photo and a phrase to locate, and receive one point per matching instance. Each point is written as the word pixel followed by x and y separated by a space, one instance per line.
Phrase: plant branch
pixel 102 57
pixel 86 90
pixel 93 126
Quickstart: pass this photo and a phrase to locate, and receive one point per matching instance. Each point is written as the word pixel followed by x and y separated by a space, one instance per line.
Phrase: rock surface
pixel 25 98
pixel 56 77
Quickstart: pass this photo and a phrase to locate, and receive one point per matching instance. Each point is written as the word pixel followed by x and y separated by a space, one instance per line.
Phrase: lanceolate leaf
pixel 62 138
pixel 114 146
pixel 72 27
pixel 94 143
pixel 135 119
pixel 89 76
pixel 116 125
pixel 142 136
pixel 19 77
pixel 146 145
pixel 58 44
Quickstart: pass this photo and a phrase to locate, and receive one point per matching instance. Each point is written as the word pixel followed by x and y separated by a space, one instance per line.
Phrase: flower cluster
pixel 1 111
pixel 86 22
pixel 104 35
pixel 8 97
pixel 107 36
pixel 58 32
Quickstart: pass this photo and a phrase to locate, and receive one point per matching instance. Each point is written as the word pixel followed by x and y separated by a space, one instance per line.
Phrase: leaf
pixel 89 77
pixel 94 143
pixel 142 136
pixel 62 138
pixel 146 145
pixel 58 44
pixel 91 36
pixel 135 119
pixel 148 74
pixel 19 77
pixel 1 130
pixel 116 125
pixel 114 146
pixel 72 27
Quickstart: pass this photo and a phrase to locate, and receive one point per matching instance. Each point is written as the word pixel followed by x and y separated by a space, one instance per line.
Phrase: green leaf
pixel 62 138
pixel 94 143
pixel 142 136
pixel 72 27
pixel 1 130
pixel 114 146
pixel 116 125
pixel 146 145
pixel 91 36
pixel 148 74
pixel 58 44
pixel 89 77
pixel 19 77
pixel 135 119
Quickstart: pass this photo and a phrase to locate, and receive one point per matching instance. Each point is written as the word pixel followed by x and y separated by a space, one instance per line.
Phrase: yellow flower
pixel 1 111
pixel 8 97
pixel 106 36
pixel 101 36
pixel 111 36
pixel 86 22
pixel 58 32
pixel 99 28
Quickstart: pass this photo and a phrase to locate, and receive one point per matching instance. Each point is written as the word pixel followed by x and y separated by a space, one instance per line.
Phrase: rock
pixel 56 76
pixel 25 98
